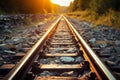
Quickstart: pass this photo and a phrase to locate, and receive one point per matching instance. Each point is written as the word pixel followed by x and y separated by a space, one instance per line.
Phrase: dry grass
pixel 110 18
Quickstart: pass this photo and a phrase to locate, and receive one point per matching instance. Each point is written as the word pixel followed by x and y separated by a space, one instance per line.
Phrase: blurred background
pixel 96 11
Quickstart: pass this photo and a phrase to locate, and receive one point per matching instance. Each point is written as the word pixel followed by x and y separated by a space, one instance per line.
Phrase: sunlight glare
pixel 62 2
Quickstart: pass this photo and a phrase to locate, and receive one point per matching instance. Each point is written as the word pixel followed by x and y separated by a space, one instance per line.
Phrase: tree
pixel 25 6
pixel 78 5
pixel 97 6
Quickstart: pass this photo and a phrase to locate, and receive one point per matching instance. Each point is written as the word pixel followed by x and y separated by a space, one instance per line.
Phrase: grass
pixel 110 18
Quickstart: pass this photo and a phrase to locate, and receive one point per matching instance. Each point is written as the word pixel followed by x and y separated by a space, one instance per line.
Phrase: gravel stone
pixel 111 63
pixel 9 52
pixel 112 58
pixel 1 63
pixel 93 40
pixel 67 59
pixel 2 48
pixel 19 47
pixel 117 50
pixel 71 50
pixel 18 40
pixel 108 50
pixel 117 61
pixel 69 73
pixel 2 45
pixel 46 73
pixel 57 50
pixel 79 59
pixel 104 45
pixel 43 61
pixel 1 59
pixel 11 47
pixel 117 43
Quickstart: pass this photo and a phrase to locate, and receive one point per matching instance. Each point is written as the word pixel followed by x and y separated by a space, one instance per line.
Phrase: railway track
pixel 61 54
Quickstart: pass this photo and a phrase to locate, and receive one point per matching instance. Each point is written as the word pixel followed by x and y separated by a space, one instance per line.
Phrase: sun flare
pixel 62 2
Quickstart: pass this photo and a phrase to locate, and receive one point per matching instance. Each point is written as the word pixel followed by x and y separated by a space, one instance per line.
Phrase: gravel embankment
pixel 22 42
pixel 104 40
pixel 11 24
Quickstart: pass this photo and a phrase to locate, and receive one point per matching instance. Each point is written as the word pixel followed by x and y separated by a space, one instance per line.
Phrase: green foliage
pixel 98 11
pixel 97 6
pixel 78 5
pixel 114 17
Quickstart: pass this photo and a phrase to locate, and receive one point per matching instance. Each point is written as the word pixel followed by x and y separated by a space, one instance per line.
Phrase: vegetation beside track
pixel 105 12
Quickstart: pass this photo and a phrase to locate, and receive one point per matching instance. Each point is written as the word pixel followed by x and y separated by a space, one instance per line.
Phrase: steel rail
pixel 90 52
pixel 27 59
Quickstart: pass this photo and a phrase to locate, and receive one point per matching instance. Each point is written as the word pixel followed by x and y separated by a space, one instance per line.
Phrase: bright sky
pixel 62 2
